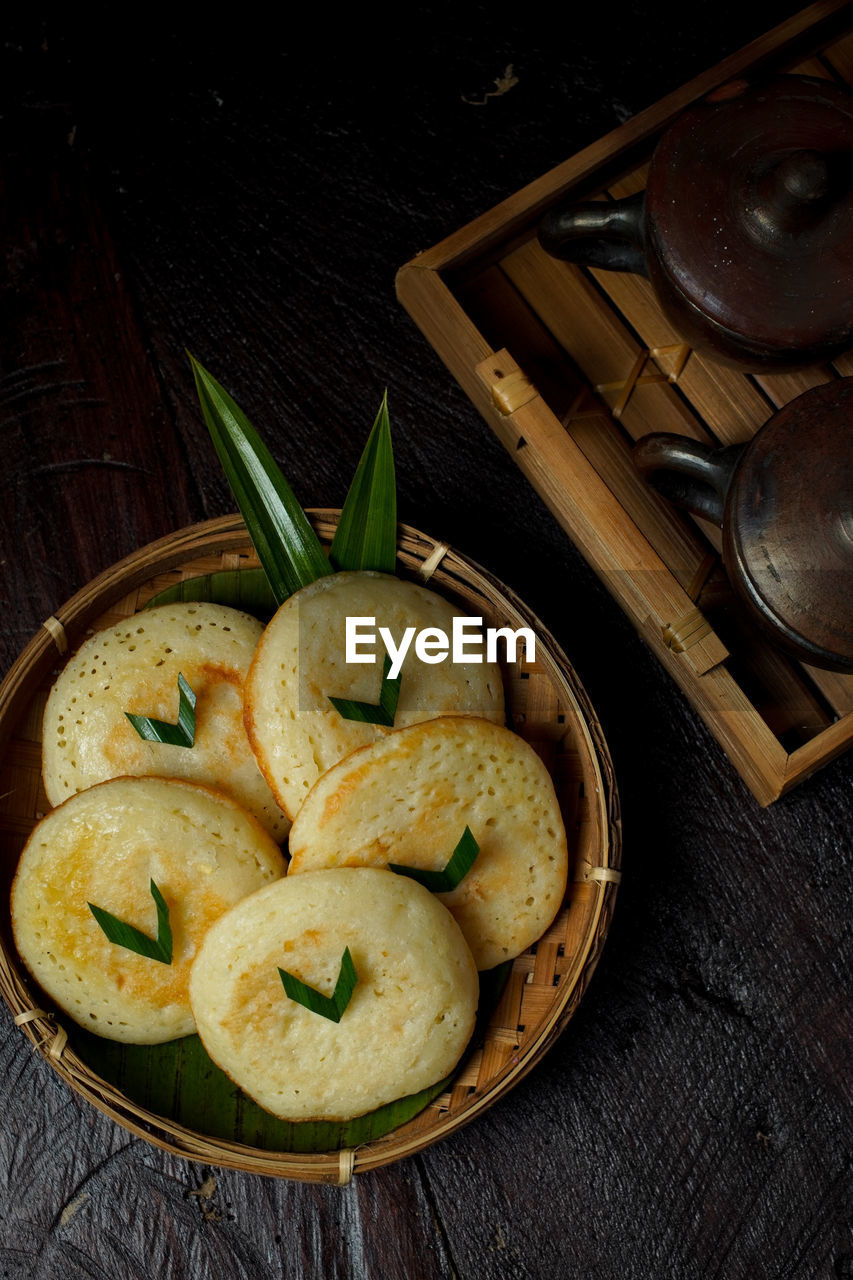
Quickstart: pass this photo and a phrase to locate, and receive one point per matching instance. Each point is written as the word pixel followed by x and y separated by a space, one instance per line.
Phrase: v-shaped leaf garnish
pixel 461 861
pixel 372 713
pixel 331 1007
pixel 133 939
pixel 181 734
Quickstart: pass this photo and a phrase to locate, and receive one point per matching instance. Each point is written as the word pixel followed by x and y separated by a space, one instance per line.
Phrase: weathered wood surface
pixel 250 196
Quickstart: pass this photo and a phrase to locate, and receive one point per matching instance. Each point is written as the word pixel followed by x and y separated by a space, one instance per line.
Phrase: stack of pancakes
pixel 204 824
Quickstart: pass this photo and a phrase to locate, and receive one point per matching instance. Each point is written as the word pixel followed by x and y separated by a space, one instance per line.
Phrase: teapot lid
pixel 749 209
pixel 789 524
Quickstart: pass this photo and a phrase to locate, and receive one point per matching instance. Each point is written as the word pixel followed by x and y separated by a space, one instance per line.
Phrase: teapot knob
pixel 790 196
pixel 804 176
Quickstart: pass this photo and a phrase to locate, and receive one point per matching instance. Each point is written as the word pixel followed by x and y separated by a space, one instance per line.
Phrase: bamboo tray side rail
pixel 546 705
pixel 569 366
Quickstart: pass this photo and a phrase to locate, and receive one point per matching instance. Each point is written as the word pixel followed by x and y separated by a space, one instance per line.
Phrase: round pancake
pixel 105 846
pixel 408 798
pixel 134 667
pixel 408 1021
pixel 295 731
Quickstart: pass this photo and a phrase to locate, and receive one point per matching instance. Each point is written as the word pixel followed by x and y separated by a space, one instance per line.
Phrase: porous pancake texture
pixel 104 846
pixel 407 1024
pixel 408 798
pixel 134 667
pixel 295 731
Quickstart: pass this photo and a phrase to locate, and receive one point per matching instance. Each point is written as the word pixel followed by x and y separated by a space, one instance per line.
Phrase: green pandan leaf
pixel 178 1080
pixel 181 734
pixel 288 548
pixel 133 939
pixel 366 536
pixel 246 589
pixel 461 861
pixel 372 713
pixel 332 1007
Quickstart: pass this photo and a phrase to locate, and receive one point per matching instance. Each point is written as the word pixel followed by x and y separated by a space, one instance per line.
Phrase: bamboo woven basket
pixel 546 705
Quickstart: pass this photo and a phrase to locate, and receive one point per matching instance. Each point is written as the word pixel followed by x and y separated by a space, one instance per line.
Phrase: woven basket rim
pixel 450 570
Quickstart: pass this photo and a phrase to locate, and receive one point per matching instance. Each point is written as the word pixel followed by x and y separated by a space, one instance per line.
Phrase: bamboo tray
pixel 546 705
pixel 570 366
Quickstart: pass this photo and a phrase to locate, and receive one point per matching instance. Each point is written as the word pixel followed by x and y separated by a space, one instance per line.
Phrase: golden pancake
pixel 295 731
pixel 408 1021
pixel 134 667
pixel 105 846
pixel 408 798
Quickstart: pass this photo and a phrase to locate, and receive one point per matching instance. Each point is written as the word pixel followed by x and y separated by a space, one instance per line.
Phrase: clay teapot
pixel 745 228
pixel 785 504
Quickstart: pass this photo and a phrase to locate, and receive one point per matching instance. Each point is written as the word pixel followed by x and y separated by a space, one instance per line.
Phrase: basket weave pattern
pixel 546 706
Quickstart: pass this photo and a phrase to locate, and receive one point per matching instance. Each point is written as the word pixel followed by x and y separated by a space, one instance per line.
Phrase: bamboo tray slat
pixel 570 366
pixel 545 705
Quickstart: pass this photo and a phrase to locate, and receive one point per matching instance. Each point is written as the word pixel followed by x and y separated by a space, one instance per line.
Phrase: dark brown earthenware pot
pixel 785 504
pixel 746 225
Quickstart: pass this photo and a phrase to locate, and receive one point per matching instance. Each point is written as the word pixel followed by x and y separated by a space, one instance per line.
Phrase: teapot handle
pixel 599 234
pixel 689 473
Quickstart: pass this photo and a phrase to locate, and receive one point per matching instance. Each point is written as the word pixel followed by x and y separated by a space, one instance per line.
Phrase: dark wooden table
pixel 249 193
